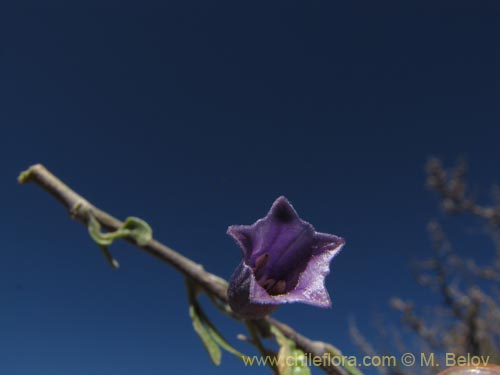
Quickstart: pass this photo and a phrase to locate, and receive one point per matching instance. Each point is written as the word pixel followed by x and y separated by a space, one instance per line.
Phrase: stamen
pixel 268 284
pixel 261 278
pixel 279 287
pixel 261 261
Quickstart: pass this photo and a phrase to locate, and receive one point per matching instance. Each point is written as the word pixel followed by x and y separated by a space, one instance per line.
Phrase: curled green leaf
pixel 102 239
pixel 133 227
pixel 137 229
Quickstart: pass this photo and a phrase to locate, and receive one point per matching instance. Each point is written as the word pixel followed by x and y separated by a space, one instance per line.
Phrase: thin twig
pixel 80 208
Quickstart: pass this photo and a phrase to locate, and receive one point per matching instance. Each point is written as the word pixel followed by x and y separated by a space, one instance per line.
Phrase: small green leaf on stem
pixel 102 239
pixel 208 333
pixel 133 227
pixel 291 360
pixel 138 229
pixel 24 176
pixel 219 339
pixel 205 336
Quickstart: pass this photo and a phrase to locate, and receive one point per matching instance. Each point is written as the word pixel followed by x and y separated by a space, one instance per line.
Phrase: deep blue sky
pixel 196 115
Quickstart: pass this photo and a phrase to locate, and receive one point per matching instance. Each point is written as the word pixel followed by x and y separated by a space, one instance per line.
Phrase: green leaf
pixel 94 227
pixel 291 360
pixel 218 338
pixel 208 333
pixel 138 229
pixel 133 227
pixel 205 336
pixel 24 176
pixel 301 363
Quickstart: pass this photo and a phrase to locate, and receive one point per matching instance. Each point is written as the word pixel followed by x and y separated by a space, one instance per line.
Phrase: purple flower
pixel 284 260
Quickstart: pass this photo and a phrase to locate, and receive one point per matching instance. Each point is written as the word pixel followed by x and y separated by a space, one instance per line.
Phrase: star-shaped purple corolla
pixel 284 260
